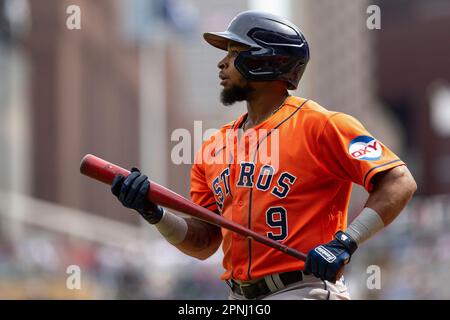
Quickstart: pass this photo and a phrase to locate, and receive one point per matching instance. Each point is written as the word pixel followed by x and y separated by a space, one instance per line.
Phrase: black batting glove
pixel 132 193
pixel 327 261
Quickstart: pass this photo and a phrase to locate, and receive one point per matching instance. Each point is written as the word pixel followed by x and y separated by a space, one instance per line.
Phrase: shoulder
pixel 311 117
pixel 314 114
pixel 231 124
pixel 314 111
pixel 313 120
pixel 309 109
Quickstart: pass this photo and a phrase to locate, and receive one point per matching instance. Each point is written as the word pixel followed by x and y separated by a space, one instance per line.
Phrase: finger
pixel 126 186
pixel 330 274
pixel 135 170
pixel 322 268
pixel 307 269
pixel 117 184
pixel 141 196
pixel 131 196
pixel 314 265
pixel 339 273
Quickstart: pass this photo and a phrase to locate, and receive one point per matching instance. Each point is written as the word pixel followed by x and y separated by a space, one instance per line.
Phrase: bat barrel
pixel 100 170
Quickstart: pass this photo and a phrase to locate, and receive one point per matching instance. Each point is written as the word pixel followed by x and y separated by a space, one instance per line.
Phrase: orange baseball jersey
pixel 296 191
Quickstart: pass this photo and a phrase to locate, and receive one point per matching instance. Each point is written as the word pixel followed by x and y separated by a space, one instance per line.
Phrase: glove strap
pixel 346 241
pixel 153 216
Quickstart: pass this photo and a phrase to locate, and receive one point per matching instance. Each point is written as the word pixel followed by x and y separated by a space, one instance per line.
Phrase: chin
pixel 230 95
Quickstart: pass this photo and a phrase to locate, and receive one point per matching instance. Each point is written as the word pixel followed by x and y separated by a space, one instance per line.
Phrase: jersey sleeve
pixel 349 151
pixel 200 193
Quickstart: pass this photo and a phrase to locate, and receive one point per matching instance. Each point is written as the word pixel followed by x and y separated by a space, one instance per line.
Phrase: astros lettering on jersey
pixel 298 196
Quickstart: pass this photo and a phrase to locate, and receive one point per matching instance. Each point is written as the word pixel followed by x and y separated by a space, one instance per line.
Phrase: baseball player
pixel 301 196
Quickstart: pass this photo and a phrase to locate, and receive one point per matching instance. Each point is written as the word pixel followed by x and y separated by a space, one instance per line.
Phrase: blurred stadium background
pixel 139 69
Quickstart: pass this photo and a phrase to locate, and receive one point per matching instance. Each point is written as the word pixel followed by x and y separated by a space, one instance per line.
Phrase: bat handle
pixel 294 253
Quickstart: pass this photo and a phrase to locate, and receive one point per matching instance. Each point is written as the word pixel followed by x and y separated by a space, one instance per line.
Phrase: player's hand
pixel 132 193
pixel 327 261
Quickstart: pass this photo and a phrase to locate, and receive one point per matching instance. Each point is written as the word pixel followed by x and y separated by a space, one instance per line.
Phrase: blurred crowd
pixel 36 267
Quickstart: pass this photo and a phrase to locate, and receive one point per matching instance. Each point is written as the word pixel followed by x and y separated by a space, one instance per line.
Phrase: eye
pixel 233 53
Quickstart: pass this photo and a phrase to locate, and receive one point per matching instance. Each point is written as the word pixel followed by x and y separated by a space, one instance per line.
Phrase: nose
pixel 223 63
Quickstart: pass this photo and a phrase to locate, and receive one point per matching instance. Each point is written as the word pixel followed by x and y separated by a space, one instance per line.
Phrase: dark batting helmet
pixel 277 48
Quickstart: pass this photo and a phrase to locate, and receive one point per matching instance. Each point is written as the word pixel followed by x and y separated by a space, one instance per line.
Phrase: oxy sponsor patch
pixel 365 148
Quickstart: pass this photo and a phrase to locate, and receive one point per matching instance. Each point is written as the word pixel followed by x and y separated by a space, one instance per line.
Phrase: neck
pixel 262 104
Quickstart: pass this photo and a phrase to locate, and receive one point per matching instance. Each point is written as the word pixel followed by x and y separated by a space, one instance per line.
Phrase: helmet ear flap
pixel 259 67
pixel 254 63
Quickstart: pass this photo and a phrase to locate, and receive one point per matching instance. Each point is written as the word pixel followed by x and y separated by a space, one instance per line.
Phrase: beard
pixel 233 94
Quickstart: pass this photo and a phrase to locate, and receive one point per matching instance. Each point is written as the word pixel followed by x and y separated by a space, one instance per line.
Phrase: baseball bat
pixel 105 172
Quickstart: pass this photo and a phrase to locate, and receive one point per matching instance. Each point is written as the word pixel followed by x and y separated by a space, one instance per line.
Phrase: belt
pixel 266 285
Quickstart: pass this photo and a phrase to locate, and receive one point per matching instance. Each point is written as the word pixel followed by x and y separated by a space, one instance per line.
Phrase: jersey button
pixel 240 203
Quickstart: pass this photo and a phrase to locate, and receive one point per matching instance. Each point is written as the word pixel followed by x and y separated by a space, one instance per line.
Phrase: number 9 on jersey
pixel 276 217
